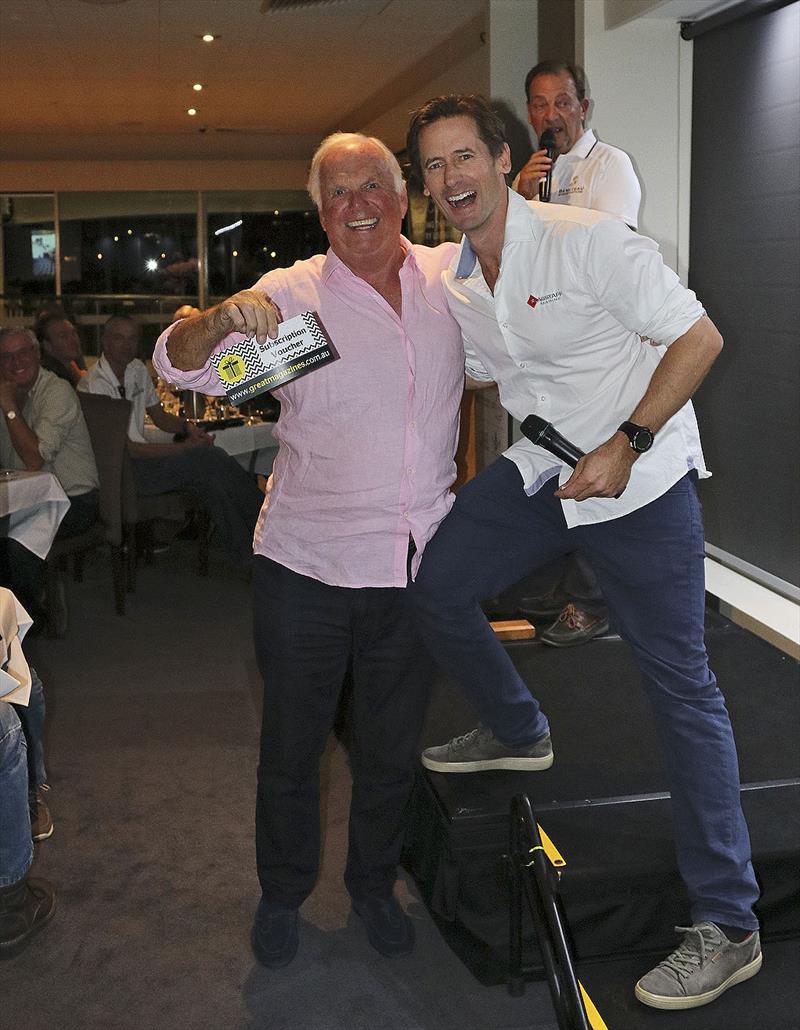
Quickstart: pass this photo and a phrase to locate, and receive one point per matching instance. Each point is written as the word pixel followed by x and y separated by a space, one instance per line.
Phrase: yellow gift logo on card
pixel 232 369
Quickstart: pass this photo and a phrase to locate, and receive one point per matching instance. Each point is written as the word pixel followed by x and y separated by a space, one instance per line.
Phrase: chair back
pixel 107 421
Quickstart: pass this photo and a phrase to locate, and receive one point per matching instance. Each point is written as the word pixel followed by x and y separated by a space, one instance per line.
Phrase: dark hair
pixel 44 321
pixel 117 318
pixel 575 72
pixel 488 123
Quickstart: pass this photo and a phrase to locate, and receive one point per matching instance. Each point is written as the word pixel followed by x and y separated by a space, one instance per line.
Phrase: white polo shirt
pixel 561 338
pixel 596 175
pixel 139 390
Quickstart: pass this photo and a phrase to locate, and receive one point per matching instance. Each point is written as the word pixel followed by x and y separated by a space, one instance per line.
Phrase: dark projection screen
pixel 745 268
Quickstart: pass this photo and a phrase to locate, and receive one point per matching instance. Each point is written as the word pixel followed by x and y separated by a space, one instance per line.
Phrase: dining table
pixel 32 505
pixel 250 441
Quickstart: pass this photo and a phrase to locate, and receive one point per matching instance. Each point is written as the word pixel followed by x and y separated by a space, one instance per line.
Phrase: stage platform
pixel 605 805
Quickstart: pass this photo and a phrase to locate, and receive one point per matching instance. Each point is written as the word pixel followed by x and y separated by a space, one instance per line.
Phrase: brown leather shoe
pixel 574 626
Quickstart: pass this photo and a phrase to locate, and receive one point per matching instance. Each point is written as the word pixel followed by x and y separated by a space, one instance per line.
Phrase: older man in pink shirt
pixel 362 480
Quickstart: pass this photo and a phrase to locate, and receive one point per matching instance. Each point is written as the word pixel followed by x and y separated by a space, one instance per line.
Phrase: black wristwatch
pixel 641 437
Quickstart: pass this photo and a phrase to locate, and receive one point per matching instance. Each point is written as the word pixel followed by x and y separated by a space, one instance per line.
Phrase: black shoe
pixel 537 609
pixel 25 907
pixel 389 929
pixel 574 626
pixel 41 820
pixel 274 936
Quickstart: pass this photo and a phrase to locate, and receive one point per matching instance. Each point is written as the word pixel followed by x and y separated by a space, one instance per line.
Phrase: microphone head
pixel 534 428
pixel 547 141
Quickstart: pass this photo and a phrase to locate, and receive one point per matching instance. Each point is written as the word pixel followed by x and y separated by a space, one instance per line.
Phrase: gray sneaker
pixel 704 965
pixel 480 750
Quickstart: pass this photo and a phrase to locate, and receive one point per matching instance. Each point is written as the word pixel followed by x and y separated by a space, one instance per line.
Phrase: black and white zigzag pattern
pixel 248 350
pixel 310 320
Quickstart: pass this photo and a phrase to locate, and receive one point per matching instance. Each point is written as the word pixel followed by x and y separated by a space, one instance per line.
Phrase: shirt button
pixel 523 364
pixel 410 470
pixel 406 514
pixel 504 325
pixel 413 424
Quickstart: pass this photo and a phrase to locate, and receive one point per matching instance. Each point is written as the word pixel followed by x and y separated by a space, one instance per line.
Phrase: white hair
pixel 6 334
pixel 337 139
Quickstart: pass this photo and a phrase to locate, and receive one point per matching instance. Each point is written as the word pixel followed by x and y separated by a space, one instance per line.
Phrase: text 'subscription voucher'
pixel 249 368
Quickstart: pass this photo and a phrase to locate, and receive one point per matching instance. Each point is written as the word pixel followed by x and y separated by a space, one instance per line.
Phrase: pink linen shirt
pixel 366 443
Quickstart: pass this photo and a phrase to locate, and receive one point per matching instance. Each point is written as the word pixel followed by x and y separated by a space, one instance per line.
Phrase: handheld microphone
pixel 542 433
pixel 547 141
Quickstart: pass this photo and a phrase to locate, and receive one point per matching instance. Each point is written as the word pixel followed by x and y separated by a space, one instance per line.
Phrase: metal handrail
pixel 533 876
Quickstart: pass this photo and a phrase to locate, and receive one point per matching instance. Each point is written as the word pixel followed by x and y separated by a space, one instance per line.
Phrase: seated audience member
pixel 61 350
pixel 42 429
pixel 190 462
pixel 26 904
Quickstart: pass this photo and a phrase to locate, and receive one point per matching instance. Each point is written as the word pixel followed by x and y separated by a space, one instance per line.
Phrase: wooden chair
pixel 107 422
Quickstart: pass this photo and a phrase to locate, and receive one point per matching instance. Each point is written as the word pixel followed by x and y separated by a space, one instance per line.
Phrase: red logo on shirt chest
pixel 533 301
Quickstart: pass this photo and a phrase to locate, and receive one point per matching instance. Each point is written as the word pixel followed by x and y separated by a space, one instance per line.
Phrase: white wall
pixel 640 75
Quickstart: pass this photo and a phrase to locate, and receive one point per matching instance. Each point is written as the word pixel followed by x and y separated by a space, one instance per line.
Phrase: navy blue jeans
pixel 16 846
pixel 229 493
pixel 306 632
pixel 650 567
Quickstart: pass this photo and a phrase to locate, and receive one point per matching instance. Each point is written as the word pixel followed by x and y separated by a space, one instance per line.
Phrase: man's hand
pixel 196 436
pixel 533 172
pixel 603 472
pixel 192 340
pixel 245 312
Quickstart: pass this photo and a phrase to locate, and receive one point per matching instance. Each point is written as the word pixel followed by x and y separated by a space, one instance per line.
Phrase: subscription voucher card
pixel 249 368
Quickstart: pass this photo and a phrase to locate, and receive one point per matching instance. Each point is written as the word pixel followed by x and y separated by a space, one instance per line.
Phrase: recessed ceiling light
pixel 99 257
pixel 192 111
pixel 197 87
pixel 208 37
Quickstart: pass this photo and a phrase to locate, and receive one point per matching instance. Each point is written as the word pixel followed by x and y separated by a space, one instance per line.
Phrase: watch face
pixel 642 440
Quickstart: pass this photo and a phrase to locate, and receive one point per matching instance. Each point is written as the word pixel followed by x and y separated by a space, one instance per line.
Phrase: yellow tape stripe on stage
pixel 596 1021
pixel 552 852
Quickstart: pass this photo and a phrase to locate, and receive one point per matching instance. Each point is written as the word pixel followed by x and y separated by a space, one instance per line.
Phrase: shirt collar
pixel 584 145
pixel 107 372
pixel 333 262
pixel 521 224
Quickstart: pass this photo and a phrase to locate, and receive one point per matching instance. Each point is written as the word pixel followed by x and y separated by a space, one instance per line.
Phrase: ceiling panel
pixel 105 78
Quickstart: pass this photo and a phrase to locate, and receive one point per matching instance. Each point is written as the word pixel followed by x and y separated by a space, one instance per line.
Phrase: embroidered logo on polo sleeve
pixel 533 301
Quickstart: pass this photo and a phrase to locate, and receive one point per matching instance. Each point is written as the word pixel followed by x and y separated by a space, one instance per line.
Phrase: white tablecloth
pixel 253 446
pixel 32 505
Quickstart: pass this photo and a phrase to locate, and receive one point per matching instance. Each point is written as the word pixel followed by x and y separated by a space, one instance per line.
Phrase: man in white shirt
pixel 191 462
pixel 585 173
pixel 578 320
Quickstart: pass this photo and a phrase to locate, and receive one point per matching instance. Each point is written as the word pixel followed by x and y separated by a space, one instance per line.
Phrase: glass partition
pixel 250 232
pixel 27 252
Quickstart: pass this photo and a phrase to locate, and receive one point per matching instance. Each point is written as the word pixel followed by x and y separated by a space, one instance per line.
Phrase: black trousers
pixel 306 633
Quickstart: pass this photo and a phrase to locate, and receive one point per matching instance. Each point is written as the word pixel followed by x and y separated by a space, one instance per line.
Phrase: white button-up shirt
pixel 561 338
pixel 139 390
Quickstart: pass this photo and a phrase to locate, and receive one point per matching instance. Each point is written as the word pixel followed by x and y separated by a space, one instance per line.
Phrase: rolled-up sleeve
pixel 56 419
pixel 627 275
pixel 201 380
